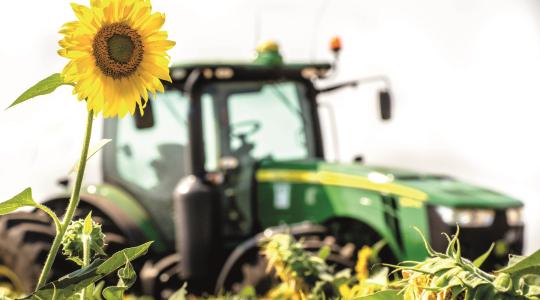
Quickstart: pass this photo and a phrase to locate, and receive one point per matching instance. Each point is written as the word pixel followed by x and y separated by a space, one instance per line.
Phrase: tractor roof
pixel 249 70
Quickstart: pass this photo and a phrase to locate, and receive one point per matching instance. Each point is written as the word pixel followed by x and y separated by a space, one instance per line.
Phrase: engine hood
pixel 434 189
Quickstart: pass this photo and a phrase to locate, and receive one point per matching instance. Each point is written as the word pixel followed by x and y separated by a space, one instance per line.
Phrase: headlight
pixel 466 217
pixel 514 216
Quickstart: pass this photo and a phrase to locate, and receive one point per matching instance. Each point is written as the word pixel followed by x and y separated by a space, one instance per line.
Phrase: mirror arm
pixel 355 83
pixel 378 78
pixel 338 86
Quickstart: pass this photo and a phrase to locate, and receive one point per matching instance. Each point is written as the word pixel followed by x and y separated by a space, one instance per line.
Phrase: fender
pixel 295 230
pixel 122 209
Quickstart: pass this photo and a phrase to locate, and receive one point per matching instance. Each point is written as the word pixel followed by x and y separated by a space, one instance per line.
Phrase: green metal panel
pixel 319 203
pixel 413 214
pixel 295 191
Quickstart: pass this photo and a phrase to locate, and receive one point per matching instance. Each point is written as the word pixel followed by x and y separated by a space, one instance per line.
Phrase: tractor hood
pixel 435 189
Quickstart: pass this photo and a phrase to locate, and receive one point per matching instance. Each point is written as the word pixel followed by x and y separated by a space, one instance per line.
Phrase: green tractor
pixel 231 153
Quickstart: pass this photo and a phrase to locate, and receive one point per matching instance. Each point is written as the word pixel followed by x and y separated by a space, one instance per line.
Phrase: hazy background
pixel 464 72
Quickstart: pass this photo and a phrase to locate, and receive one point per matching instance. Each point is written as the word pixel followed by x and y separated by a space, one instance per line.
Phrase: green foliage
pixel 22 199
pixel 382 295
pixel 448 275
pixel 298 270
pixel 126 279
pixel 305 275
pixel 478 262
pixel 518 263
pixel 524 275
pixel 45 86
pixel 25 199
pixel 95 149
pixel 180 294
pixel 74 282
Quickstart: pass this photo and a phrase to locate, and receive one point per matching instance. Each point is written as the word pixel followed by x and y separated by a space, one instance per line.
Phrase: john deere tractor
pixel 233 152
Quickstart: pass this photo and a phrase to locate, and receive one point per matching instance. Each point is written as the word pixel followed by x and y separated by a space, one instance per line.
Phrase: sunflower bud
pixel 72 243
pixel 503 282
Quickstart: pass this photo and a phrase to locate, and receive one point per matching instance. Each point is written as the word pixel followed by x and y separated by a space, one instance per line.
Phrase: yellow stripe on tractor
pixel 340 179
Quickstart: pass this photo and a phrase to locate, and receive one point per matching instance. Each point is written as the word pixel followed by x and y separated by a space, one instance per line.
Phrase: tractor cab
pixel 217 122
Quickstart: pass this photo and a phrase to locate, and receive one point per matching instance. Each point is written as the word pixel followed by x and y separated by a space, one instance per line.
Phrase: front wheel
pixel 250 270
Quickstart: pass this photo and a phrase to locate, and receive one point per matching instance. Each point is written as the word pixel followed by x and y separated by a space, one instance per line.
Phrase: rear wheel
pixel 157 276
pixel 26 237
pixel 25 241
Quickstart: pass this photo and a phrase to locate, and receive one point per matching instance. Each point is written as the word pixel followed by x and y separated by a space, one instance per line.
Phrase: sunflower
pixel 117 54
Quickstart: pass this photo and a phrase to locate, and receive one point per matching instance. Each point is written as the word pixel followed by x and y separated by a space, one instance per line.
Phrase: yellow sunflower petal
pixel 103 73
pixel 152 24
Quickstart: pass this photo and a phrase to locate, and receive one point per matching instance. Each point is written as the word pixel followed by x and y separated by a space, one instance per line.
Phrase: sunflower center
pixel 118 50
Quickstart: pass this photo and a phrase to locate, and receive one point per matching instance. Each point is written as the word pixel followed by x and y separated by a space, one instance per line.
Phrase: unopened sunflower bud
pixel 72 243
pixel 503 282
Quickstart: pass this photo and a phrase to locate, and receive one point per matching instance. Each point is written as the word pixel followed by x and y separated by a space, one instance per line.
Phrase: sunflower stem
pixel 72 206
pixel 86 260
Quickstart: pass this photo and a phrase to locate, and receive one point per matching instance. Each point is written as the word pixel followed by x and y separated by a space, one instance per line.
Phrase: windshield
pixel 258 120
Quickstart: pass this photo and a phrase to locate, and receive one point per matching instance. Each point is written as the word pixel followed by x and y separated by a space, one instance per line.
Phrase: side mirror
pixel 359 159
pixel 147 120
pixel 385 104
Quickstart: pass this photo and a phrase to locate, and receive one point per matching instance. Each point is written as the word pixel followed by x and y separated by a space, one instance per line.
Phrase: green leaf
pixel 114 292
pixel 530 261
pixel 482 258
pixel 76 260
pixel 127 277
pixel 180 294
pixel 383 295
pixel 324 252
pixel 376 250
pixel 22 199
pixel 74 282
pixel 87 226
pixel 97 290
pixel 95 149
pixel 248 292
pixel 45 86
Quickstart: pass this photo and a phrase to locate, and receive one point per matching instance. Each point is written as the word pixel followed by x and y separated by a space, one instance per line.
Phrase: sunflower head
pixel 117 54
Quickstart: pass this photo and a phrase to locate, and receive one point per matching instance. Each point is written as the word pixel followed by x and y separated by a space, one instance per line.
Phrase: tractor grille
pixel 476 241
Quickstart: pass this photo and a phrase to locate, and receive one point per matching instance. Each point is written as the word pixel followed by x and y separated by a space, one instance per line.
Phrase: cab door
pixel 250 121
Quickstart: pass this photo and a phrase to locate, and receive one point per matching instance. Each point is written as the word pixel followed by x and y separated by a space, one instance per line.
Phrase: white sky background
pixel 464 73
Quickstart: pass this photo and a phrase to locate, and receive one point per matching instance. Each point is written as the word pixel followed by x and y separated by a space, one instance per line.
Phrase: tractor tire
pixel 251 268
pixel 350 231
pixel 159 278
pixel 157 273
pixel 25 239
pixel 114 238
